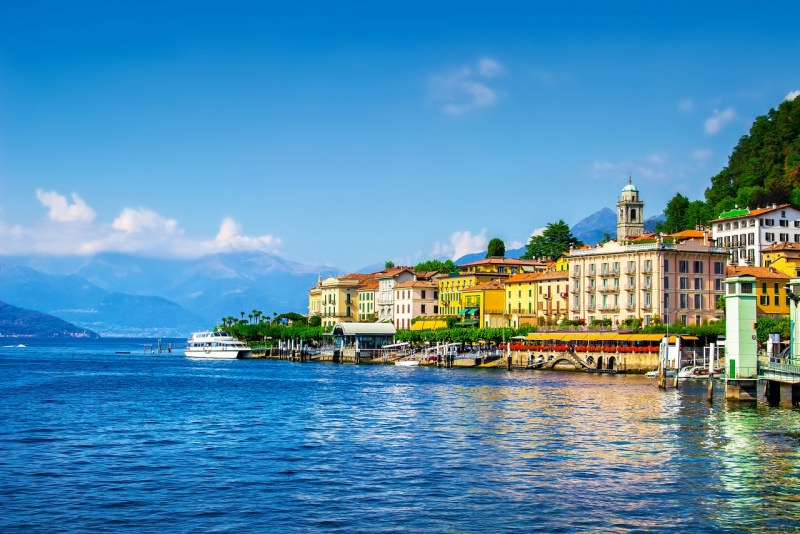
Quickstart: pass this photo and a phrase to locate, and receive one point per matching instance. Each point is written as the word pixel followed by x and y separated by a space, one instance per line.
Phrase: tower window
pixel 633 214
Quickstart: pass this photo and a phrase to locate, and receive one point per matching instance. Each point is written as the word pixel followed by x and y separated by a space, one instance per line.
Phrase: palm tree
pixel 242 315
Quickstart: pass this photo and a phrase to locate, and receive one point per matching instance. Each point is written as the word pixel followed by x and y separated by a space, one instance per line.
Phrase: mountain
pixel 21 322
pixel 591 230
pixel 114 294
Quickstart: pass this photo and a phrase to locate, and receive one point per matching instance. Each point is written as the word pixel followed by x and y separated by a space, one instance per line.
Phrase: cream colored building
pixel 674 280
pixel 340 298
pixel 414 298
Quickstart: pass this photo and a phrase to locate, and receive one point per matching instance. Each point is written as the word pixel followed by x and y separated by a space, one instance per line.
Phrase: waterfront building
pixel 783 257
pixel 770 288
pixel 668 278
pixel 415 298
pixel 315 299
pixel 553 296
pixel 387 280
pixel 340 297
pixel 484 305
pixel 475 273
pixel 745 232
pixel 366 301
pixel 521 301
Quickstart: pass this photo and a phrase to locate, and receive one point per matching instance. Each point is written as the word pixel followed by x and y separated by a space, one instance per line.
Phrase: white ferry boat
pixel 216 345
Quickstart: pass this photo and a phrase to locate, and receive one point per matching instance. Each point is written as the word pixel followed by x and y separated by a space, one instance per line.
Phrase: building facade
pixel 415 298
pixel 746 232
pixel 387 280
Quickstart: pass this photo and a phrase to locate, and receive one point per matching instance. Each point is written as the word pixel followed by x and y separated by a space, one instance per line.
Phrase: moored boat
pixel 216 345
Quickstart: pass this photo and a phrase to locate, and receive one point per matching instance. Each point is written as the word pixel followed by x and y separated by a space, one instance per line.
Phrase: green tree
pixel 388 264
pixel 555 240
pixel 436 265
pixel 496 248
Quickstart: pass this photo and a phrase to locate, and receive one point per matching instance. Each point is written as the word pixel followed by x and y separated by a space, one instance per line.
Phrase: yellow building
pixel 770 292
pixel 315 299
pixel 484 304
pixel 552 295
pixel 783 257
pixel 522 299
pixel 475 273
pixel 340 298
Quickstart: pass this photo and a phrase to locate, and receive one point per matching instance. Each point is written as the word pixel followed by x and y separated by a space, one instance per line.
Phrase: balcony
pixel 611 289
pixel 591 288
pixel 575 274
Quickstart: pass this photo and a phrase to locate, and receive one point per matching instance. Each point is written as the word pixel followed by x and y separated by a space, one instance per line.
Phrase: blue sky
pixel 351 133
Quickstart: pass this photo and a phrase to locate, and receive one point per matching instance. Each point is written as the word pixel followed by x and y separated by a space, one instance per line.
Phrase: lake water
pixel 91 440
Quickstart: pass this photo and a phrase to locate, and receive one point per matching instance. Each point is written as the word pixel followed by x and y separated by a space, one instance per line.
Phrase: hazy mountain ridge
pixel 22 322
pixel 115 294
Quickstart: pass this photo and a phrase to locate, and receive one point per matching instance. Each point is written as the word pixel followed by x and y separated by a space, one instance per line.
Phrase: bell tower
pixel 630 213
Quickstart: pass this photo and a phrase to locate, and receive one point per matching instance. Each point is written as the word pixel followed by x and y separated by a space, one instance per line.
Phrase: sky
pixel 349 134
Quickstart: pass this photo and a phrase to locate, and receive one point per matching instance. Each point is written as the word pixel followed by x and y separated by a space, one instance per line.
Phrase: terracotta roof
pixel 369 284
pixel 689 234
pixel 781 246
pixel 553 275
pixel 758 272
pixel 393 271
pixel 416 283
pixel 491 284
pixel 522 277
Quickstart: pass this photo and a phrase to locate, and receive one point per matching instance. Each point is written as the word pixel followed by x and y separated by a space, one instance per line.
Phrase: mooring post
pixel 711 354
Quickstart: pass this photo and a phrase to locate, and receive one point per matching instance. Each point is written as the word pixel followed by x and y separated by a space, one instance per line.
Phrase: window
pixel 769 222
pixel 683 266
pixel 423 293
pixel 684 282
pixel 719 267
pixel 698 267
pixel 763 287
pixel 777 288
pixel 769 236
pixel 683 320
pixel 764 300
pixel 666 282
pixel 684 301
pixel 698 283
pixel 784 223
pixel 422 309
pixel 747 288
pixel 698 302
pixel 777 300
pixel 666 266
pixel 718 284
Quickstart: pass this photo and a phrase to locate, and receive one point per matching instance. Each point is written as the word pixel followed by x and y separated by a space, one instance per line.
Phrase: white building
pixel 745 232
pixel 387 280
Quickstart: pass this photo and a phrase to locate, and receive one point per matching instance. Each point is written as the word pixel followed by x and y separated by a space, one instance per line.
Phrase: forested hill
pixel 21 322
pixel 764 168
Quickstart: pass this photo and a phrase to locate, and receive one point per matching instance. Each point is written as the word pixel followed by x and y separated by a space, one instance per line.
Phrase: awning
pixel 469 311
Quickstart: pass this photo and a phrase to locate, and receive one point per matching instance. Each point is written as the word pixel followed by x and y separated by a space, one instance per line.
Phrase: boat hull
pixel 219 354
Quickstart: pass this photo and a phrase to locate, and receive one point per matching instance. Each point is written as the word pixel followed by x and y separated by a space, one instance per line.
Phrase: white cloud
pixel 686 105
pixel 134 230
pixel 141 219
pixel 652 168
pixel 489 68
pixel 230 238
pixel 462 90
pixel 718 120
pixel 792 95
pixel 461 244
pixel 61 210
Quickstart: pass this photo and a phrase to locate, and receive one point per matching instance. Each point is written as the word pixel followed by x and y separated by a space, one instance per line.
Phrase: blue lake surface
pixel 92 440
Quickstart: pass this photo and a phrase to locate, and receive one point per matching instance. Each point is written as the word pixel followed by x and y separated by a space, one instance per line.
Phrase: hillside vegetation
pixel 764 168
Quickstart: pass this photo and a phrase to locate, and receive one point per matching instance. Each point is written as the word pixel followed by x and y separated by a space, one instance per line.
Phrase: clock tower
pixel 630 213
